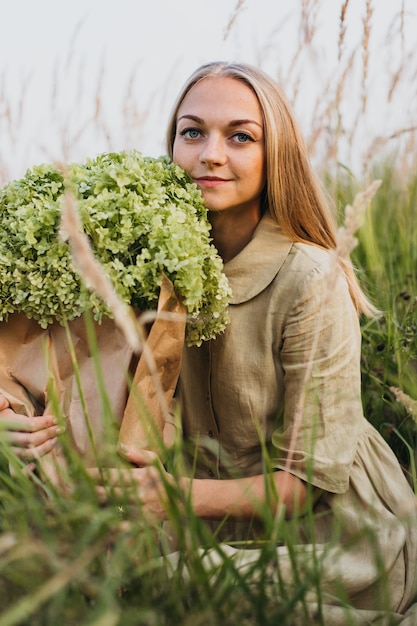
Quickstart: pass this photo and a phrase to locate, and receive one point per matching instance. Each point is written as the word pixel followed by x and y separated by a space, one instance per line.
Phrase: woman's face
pixel 220 142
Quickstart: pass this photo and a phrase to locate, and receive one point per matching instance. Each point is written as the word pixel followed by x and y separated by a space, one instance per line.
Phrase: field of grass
pixel 386 258
pixel 65 559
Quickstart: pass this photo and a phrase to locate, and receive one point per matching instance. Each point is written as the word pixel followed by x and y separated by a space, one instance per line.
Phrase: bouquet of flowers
pixel 143 216
pixel 146 223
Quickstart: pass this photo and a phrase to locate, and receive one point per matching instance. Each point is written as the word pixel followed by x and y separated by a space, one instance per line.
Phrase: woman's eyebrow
pixel 232 124
pixel 191 117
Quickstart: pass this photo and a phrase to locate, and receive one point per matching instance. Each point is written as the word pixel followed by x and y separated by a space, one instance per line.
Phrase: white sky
pixel 54 53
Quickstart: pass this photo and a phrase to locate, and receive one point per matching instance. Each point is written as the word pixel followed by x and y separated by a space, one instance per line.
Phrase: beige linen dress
pixel 287 370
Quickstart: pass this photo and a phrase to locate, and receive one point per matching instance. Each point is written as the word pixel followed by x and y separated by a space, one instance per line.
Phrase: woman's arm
pixel 244 498
pixel 238 499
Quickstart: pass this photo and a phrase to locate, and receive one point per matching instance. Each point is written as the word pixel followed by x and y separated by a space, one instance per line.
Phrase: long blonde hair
pixel 293 194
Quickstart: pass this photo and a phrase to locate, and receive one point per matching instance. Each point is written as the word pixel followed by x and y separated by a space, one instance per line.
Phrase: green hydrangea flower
pixel 143 216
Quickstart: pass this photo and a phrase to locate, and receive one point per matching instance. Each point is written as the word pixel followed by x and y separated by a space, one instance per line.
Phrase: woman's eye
pixel 190 133
pixel 242 137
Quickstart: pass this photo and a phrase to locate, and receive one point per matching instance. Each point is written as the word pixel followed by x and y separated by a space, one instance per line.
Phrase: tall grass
pixel 72 560
pixel 69 559
pixel 387 258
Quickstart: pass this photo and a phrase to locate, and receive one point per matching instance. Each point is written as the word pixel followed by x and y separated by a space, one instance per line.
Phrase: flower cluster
pixel 143 216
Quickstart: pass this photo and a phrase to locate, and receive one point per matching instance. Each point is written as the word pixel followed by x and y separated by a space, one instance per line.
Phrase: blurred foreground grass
pixel 67 559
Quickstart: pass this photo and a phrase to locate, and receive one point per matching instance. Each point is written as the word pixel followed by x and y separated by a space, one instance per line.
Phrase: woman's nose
pixel 213 150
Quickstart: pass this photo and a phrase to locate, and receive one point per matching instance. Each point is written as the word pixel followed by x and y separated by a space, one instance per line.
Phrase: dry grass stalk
pixel 365 52
pixel 381 141
pixel 396 79
pixel 335 106
pixel 402 26
pixel 134 118
pixel 238 8
pixel 308 30
pixel 404 73
pixel 342 29
pixel 354 218
pixel 99 117
pixel 327 125
pixel 309 12
pixel 409 404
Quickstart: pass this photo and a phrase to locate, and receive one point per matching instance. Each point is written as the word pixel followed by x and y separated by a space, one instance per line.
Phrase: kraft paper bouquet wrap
pixel 146 227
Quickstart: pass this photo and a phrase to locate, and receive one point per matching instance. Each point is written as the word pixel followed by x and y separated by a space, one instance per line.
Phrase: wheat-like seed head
pixel 409 404
pixel 354 218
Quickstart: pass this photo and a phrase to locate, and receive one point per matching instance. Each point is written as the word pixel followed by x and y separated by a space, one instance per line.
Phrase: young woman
pixel 271 409
pixel 283 381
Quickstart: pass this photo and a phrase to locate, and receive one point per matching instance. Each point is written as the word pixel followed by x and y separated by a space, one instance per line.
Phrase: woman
pixel 271 410
pixel 283 381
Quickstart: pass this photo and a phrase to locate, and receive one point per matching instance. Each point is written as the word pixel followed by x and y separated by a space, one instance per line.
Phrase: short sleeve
pixel 320 353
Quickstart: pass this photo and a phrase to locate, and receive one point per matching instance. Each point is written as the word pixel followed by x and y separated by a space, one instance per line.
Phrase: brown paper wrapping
pixel 156 375
pixel 30 356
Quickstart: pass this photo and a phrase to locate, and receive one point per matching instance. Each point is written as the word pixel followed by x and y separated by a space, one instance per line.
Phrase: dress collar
pixel 254 268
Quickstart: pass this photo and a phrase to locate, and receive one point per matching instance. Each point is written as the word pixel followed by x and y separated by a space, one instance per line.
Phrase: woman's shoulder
pixel 308 266
pixel 298 255
pixel 311 274
pixel 311 257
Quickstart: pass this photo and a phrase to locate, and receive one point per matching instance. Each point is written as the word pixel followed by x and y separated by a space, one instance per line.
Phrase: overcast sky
pixel 56 56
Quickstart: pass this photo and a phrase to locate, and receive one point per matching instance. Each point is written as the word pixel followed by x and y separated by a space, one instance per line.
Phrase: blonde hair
pixel 293 194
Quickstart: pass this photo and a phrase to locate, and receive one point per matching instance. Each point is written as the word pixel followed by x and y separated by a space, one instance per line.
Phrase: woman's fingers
pixel 138 456
pixel 31 453
pixel 9 420
pixel 29 437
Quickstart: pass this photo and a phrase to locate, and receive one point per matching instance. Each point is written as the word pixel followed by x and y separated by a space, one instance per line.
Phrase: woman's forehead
pixel 221 95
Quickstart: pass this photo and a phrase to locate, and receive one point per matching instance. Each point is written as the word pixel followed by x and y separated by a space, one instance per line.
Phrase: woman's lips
pixel 210 181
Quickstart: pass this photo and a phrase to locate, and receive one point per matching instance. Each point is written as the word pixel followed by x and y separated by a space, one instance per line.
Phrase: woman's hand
pixel 145 484
pixel 29 437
